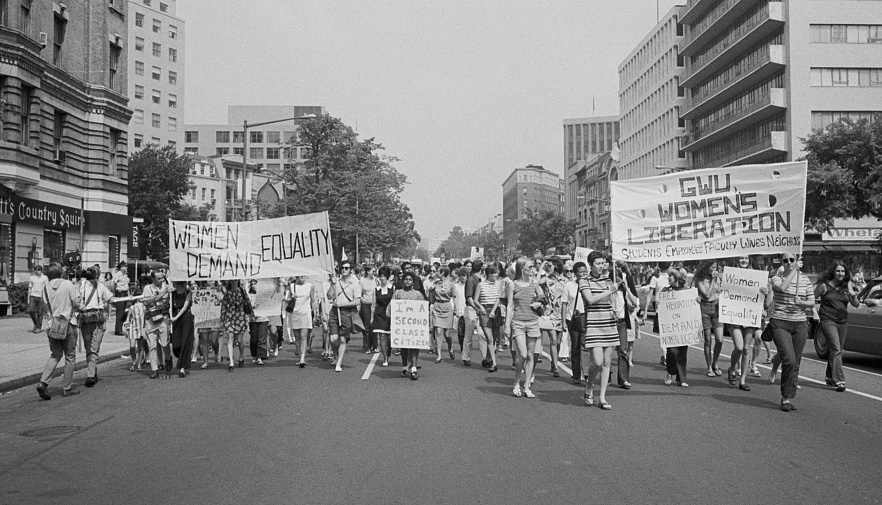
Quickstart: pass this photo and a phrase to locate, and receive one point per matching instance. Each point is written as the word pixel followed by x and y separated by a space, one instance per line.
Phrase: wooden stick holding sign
pixel 410 324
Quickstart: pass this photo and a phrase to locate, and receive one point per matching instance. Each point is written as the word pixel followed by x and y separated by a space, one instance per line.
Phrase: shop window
pixel 6 248
pixel 53 245
pixel 113 250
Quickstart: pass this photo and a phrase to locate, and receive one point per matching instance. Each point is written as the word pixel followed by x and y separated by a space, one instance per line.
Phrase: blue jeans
pixel 835 335
pixel 790 338
pixel 67 347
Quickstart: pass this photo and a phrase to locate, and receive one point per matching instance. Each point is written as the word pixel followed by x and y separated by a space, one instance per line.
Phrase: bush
pixel 18 297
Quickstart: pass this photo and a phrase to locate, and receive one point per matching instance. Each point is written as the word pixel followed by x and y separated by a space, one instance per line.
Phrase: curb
pixel 33 378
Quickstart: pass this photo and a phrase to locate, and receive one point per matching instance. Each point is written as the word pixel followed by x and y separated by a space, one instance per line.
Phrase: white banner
pixel 410 324
pixel 741 301
pixel 679 318
pixel 282 247
pixel 710 213
pixel 581 254
pixel 207 307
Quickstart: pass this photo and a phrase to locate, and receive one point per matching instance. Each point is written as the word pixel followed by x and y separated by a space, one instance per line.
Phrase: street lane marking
pixel 801 377
pixel 370 367
pixel 559 364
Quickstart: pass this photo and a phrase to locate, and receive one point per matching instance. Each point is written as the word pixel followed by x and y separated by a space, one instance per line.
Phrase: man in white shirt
pixel 63 300
pixel 95 297
pixel 36 303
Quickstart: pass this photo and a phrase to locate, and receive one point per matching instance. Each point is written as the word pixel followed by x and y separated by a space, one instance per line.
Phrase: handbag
pixel 357 323
pixel 91 316
pixel 58 326
pixel 578 321
pixel 767 335
pixel 246 303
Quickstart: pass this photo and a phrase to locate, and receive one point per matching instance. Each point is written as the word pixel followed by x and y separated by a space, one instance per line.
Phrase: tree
pixel 359 188
pixel 188 212
pixel 844 172
pixel 543 230
pixel 159 180
pixel 459 244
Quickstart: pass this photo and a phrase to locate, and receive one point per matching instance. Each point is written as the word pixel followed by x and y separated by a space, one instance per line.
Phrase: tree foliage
pixel 459 244
pixel 159 180
pixel 358 187
pixel 188 212
pixel 544 230
pixel 844 172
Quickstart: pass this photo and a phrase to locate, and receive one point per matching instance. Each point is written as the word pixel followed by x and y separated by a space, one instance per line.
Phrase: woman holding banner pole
pixel 707 280
pixel 793 294
pixel 675 358
pixel 599 293
pixel 742 339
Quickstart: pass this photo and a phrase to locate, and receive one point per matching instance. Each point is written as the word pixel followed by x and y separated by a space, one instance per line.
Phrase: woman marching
pixel 836 293
pixel 742 339
pixel 380 322
pixel 299 308
pixel 488 298
pixel 233 317
pixel 525 301
pixel 707 280
pixel 182 326
pixel 441 298
pixel 599 293
pixel 409 357
pixel 675 357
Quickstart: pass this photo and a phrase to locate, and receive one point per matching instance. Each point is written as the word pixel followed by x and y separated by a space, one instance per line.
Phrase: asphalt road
pixel 280 434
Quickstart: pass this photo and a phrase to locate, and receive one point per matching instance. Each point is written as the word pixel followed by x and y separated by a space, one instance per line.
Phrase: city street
pixel 280 434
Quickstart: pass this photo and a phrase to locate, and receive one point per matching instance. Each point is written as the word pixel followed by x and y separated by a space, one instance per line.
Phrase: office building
pixel 64 171
pixel 592 201
pixel 269 146
pixel 156 71
pixel 526 191
pixel 760 74
pixel 650 101
pixel 584 138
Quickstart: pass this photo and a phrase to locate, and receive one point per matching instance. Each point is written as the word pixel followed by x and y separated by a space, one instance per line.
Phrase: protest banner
pixel 267 301
pixel 477 253
pixel 741 301
pixel 581 254
pixel 709 213
pixel 410 324
pixel 282 247
pixel 207 307
pixel 679 318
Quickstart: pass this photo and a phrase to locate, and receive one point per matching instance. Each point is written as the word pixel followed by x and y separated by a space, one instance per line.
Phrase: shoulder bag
pixel 577 323
pixel 91 316
pixel 58 326
pixel 357 323
pixel 158 309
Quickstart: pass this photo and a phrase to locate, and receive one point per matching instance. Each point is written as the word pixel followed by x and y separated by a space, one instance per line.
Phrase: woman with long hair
pixel 380 322
pixel 707 280
pixel 675 357
pixel 601 335
pixel 525 301
pixel 441 301
pixel 300 305
pixel 233 318
pixel 742 339
pixel 182 326
pixel 836 292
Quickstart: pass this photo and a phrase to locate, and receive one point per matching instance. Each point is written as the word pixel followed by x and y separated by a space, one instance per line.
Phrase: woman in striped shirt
pixel 525 300
pixel 793 294
pixel 488 298
pixel 601 329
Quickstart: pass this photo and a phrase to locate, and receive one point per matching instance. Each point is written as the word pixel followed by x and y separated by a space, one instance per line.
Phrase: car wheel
pixel 820 342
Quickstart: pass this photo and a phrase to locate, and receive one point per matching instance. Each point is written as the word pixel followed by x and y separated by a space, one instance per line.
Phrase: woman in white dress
pixel 300 305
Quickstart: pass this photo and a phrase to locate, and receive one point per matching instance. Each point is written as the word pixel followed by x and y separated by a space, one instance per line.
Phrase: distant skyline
pixel 461 92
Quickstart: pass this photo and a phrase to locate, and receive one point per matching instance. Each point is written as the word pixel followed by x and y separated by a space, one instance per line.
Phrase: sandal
pixel 718 372
pixel 132 368
pixel 732 379
pixel 528 393
pixel 710 373
pixel 604 406
pixel 589 399
pixel 204 365
pixel 517 391
pixel 768 361
pixel 669 379
pixel 786 406
pixel 744 387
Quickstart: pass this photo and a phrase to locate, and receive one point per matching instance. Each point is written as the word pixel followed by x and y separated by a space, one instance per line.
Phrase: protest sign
pixel 710 213
pixel 207 307
pixel 581 254
pixel 267 302
pixel 741 301
pixel 477 253
pixel 410 324
pixel 679 318
pixel 283 247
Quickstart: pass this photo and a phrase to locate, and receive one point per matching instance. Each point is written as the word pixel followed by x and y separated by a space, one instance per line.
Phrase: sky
pixel 462 92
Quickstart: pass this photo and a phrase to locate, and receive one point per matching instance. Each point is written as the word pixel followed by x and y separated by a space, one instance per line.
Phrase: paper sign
pixel 710 213
pixel 679 318
pixel 283 247
pixel 207 307
pixel 581 254
pixel 741 302
pixel 267 302
pixel 477 253
pixel 410 324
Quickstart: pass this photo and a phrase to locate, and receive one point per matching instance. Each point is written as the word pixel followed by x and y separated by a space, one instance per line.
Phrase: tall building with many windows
pixel 584 139
pixel 525 191
pixel 156 71
pixel 650 100
pixel 760 74
pixel 63 159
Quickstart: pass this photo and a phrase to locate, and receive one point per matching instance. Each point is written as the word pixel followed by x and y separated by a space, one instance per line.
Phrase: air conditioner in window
pixel 44 39
pixel 59 156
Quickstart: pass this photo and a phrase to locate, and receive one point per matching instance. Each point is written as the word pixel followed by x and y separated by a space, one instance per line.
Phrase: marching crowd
pixel 585 312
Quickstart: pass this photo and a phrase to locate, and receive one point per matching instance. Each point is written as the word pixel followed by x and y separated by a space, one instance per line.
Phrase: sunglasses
pixel 345 268
pixel 789 260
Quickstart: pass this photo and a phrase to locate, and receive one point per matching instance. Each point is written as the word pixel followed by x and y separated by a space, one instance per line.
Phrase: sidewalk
pixel 23 354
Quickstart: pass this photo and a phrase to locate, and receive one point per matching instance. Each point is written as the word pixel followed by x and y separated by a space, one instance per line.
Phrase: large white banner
pixel 741 301
pixel 282 247
pixel 679 318
pixel 710 213
pixel 410 324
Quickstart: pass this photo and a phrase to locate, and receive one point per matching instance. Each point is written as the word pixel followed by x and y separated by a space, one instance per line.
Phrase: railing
pixel 709 19
pixel 730 117
pixel 731 76
pixel 741 151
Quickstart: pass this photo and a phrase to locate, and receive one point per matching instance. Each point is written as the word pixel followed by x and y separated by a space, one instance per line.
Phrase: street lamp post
pixel 245 127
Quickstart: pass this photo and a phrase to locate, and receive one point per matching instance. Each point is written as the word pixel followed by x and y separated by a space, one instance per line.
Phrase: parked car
pixel 864 324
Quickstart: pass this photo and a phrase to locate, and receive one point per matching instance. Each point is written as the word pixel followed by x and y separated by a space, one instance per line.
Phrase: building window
pixel 222 137
pixel 139 92
pixel 823 119
pixel 172 31
pixel 115 135
pixel 60 29
pixel 138 116
pixel 191 137
pixel 238 150
pixel 203 194
pixel 113 71
pixel 157 49
pixel 238 138
pixel 113 250
pixel 172 77
pixel 845 34
pixel 139 140
pixel 147 2
pixel 841 77
pixel 172 124
pixel 58 134
pixel 157 74
pixel 255 153
pixel 272 137
pixel 157 25
pixel 256 138
pixel 272 153
pixel 191 150
pixel 222 151
pixel 139 19
pixel 172 144
pixel 157 96
pixel 212 196
pixel 139 44
pixel 172 55
pixel 172 101
pixel 163 7
pixel 25 18
pixel 156 120
pixel 4 13
pixel 273 167
pixel 139 68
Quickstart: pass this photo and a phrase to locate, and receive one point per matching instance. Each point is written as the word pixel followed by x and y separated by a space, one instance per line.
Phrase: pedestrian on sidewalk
pixel 36 303
pixel 92 321
pixel 63 300
pixel 121 290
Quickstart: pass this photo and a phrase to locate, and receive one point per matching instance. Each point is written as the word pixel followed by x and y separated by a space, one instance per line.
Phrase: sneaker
pixel 69 392
pixel 42 390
